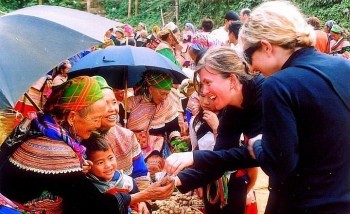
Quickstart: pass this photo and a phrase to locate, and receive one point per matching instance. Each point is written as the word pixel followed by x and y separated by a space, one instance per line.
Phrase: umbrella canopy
pixel 34 40
pixel 122 66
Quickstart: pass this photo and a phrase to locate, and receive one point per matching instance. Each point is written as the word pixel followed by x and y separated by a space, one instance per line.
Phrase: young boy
pixel 103 173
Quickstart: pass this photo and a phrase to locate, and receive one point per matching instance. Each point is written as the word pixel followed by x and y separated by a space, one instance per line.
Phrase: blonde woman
pixel 306 158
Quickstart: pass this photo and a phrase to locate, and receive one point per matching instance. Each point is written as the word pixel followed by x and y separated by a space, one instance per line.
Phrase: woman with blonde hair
pixel 307 161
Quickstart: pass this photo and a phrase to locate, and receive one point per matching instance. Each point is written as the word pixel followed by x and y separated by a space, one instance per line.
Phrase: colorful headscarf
pixel 102 82
pixel 79 93
pixel 191 27
pixel 336 29
pixel 159 80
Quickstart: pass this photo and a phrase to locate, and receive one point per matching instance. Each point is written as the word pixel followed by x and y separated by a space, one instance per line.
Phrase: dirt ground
pixel 261 191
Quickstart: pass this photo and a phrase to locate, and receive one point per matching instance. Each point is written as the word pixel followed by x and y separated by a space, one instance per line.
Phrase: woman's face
pixel 215 87
pixel 336 36
pixel 158 95
pixel 84 126
pixel 110 118
pixel 66 69
pixel 119 94
pixel 258 56
pixel 104 164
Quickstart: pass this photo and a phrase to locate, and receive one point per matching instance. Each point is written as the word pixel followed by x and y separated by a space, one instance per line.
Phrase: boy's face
pixel 104 164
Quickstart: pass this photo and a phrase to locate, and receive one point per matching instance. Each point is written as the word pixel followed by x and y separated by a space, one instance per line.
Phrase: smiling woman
pixel 47 163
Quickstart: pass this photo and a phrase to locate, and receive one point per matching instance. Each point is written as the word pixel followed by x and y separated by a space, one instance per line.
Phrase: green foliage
pixel 195 11
pixel 9 5
pixel 148 11
pixel 338 10
pixel 191 10
pixel 75 4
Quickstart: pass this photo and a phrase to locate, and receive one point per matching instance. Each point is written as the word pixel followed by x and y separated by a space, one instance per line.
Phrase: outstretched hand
pixel 162 189
pixel 177 162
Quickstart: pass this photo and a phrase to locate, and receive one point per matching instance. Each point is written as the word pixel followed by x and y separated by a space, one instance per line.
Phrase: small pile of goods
pixel 188 203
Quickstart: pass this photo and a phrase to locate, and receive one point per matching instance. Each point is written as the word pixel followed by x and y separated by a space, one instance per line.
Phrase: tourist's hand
pixel 178 161
pixel 211 118
pixel 199 192
pixel 87 166
pixel 251 144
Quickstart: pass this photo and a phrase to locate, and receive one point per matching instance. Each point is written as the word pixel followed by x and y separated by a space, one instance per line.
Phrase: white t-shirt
pixel 207 142
pixel 221 34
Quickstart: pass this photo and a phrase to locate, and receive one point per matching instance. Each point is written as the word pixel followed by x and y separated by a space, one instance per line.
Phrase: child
pixel 103 173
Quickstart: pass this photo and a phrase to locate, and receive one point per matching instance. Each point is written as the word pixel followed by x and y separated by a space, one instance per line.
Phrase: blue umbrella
pixel 34 40
pixel 122 66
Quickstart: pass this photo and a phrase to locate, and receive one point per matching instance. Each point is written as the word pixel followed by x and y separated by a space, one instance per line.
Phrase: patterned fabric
pixel 165 49
pixel 204 40
pixel 45 204
pixel 125 147
pixel 102 82
pixel 142 111
pixel 79 93
pixel 51 129
pixel 55 156
pixel 159 80
pixel 163 125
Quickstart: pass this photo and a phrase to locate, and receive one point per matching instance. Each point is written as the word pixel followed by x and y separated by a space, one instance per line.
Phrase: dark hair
pixel 164 37
pixel 234 28
pixel 95 143
pixel 232 16
pixel 207 25
pixel 60 67
pixel 246 11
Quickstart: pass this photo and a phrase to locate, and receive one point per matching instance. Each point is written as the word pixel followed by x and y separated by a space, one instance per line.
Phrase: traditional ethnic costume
pixel 164 122
pixel 164 47
pixel 161 119
pixel 43 170
pixel 126 148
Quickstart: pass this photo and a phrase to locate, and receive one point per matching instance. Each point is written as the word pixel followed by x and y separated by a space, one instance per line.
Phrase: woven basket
pixel 8 120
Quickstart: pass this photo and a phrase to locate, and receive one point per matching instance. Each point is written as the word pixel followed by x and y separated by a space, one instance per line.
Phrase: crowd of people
pixel 269 88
